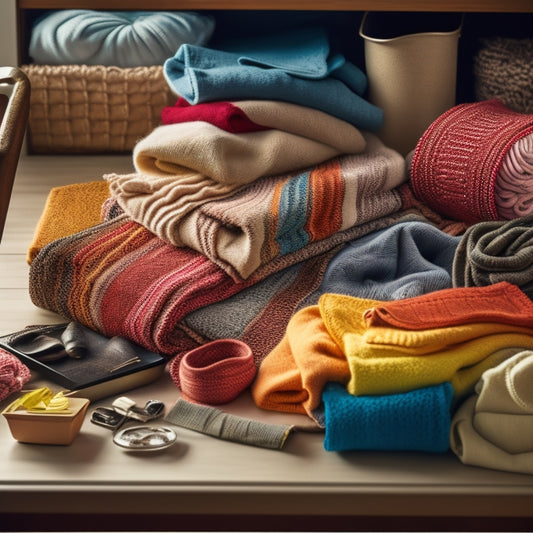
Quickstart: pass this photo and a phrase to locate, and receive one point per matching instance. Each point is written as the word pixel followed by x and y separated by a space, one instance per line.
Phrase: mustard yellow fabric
pixel 387 360
pixel 68 210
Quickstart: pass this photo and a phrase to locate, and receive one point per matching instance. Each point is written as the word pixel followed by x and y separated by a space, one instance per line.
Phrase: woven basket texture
pixel 94 109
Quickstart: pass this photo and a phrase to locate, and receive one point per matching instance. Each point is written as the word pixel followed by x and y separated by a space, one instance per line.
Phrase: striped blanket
pixel 274 215
pixel 118 278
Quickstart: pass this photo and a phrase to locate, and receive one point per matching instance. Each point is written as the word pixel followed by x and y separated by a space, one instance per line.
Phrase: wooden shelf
pixel 480 6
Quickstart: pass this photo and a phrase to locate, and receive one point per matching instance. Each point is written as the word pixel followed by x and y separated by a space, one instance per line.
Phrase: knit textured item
pixel 502 302
pixel 13 374
pixel 68 210
pixel 491 252
pixel 385 360
pixel 415 420
pixel 503 69
pixel 405 259
pixel 456 161
pixel 291 378
pixel 214 373
pixel 331 343
pixel 513 191
pixel 214 422
pixel 272 216
pixel 493 427
pixel 259 313
pixel 120 279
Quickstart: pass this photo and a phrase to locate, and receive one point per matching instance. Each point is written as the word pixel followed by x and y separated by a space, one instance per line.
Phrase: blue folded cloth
pixel 401 261
pixel 416 420
pixel 297 67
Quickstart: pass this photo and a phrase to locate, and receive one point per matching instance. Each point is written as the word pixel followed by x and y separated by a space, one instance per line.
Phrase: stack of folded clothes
pixel 266 209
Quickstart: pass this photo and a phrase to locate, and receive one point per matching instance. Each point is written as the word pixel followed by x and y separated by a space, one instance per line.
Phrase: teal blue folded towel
pixel 296 66
pixel 115 38
pixel 417 420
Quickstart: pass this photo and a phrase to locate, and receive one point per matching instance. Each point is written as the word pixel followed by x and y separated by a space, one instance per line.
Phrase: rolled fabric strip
pixel 13 374
pixel 456 161
pixel 214 373
pixel 216 423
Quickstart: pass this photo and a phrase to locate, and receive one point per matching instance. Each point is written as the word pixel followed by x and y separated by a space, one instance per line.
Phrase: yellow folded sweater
pixel 387 360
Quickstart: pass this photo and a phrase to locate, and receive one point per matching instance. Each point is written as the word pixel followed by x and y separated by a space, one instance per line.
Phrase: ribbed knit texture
pixel 240 226
pixel 502 302
pixel 214 373
pixel 216 423
pixel 456 161
pixel 491 252
pixel 13 374
pixel 415 420
pixel 385 360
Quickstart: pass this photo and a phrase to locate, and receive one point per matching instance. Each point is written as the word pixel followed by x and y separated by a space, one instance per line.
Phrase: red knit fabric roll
pixel 214 373
pixel 456 161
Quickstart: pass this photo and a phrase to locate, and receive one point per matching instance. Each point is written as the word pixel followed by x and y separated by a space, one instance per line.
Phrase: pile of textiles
pixel 274 215
pixel 387 375
pixel 238 203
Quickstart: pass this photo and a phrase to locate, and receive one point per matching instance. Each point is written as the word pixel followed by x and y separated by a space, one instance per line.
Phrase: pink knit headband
pixel 214 373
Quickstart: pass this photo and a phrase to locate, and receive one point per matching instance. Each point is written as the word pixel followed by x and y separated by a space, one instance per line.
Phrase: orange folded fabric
pixel 501 302
pixel 292 376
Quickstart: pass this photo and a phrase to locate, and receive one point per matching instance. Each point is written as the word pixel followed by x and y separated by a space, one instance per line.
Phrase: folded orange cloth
pixel 501 302
pixel 293 375
pixel 68 210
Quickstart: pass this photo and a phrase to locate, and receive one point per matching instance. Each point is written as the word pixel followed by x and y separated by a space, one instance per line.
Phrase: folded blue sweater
pixel 296 67
pixel 415 420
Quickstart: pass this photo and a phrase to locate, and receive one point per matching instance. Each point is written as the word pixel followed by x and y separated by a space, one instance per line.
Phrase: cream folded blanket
pixel 278 215
pixel 493 428
pixel 180 166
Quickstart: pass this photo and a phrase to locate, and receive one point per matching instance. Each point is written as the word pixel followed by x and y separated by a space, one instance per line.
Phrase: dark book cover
pixel 80 359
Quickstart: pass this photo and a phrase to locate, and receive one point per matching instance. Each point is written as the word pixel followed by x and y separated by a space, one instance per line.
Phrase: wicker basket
pixel 93 109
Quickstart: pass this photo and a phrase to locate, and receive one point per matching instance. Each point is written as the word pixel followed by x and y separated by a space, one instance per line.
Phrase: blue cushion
pixel 121 38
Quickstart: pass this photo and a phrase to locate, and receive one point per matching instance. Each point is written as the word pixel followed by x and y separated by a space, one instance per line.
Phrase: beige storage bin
pixel 411 65
pixel 93 109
